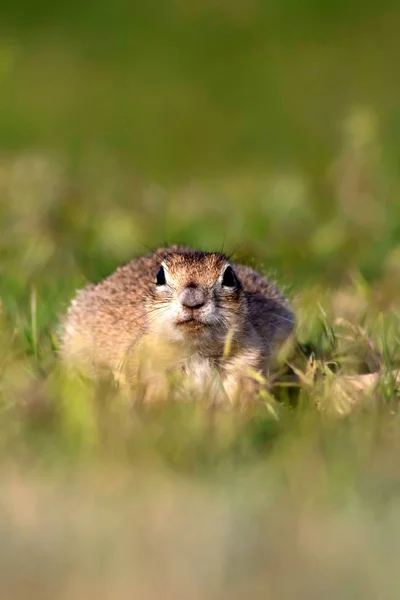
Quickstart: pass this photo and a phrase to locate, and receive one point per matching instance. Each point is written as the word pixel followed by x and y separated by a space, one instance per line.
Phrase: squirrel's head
pixel 196 296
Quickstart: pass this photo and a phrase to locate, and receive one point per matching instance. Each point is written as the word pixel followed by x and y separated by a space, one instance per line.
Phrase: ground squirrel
pixel 182 311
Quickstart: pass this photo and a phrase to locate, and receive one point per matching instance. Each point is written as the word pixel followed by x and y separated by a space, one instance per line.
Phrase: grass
pixel 295 496
pixel 271 132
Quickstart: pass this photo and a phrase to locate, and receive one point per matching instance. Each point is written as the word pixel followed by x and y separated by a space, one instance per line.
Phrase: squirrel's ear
pixel 229 278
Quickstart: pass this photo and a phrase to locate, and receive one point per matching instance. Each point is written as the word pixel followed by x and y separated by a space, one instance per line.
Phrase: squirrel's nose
pixel 192 297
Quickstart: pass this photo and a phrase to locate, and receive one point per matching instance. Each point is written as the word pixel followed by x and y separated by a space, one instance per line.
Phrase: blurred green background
pixel 266 128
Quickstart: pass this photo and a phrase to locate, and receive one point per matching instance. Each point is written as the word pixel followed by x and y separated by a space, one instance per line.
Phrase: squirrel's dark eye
pixel 229 278
pixel 160 278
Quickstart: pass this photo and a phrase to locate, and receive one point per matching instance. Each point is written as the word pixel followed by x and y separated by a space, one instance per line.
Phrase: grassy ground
pixel 103 500
pixel 270 131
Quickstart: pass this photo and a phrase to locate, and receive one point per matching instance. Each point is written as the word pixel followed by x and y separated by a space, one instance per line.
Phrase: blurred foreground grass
pixel 269 130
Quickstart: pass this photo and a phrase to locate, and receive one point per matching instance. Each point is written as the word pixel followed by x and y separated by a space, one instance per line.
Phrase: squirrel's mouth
pixel 191 325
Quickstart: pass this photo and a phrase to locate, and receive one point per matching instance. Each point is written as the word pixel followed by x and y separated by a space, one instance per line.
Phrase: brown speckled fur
pixel 106 320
